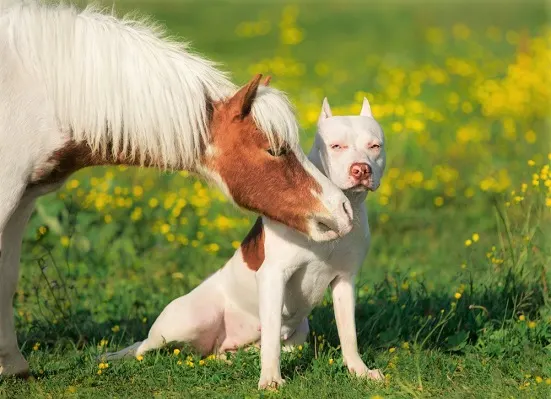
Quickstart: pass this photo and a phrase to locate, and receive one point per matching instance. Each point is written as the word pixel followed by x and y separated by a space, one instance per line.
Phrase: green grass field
pixel 453 299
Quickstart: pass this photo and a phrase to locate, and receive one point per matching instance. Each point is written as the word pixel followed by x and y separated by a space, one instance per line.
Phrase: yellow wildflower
pixel 137 191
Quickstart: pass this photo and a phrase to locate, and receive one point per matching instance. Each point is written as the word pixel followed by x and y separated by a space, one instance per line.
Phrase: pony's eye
pixel 337 147
pixel 374 146
pixel 277 152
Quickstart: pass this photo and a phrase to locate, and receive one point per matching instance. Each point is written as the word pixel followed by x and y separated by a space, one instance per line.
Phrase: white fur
pixel 237 307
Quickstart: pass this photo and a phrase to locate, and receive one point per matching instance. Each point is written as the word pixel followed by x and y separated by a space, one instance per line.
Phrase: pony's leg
pixel 12 361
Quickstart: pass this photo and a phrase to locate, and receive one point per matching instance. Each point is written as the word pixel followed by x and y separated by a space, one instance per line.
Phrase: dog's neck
pixel 316 157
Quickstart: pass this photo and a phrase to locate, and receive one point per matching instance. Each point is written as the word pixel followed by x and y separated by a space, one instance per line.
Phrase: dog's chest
pixel 307 286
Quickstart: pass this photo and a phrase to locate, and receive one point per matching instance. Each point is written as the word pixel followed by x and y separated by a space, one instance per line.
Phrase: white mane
pixel 120 82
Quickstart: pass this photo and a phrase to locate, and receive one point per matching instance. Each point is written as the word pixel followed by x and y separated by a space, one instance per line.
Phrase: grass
pixel 453 298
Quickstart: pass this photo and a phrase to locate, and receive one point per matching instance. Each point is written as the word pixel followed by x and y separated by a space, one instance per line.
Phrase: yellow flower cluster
pixel 102 367
pixel 456 129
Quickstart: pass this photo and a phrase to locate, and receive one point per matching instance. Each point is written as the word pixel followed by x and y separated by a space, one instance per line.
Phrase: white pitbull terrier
pixel 273 281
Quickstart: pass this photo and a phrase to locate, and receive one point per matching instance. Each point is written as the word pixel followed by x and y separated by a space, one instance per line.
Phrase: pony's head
pixel 254 156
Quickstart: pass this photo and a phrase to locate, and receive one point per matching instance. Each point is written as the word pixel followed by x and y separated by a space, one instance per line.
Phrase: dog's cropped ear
pixel 325 110
pixel 366 109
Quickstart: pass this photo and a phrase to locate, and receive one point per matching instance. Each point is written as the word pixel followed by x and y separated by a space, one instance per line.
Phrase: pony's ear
pixel 267 80
pixel 366 109
pixel 243 99
pixel 325 110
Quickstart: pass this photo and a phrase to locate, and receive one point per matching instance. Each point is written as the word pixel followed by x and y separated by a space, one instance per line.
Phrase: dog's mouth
pixel 361 187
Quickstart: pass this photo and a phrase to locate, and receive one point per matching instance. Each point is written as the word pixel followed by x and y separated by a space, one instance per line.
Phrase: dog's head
pixel 351 149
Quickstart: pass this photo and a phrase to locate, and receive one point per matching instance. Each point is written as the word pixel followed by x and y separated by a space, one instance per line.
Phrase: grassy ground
pixel 453 297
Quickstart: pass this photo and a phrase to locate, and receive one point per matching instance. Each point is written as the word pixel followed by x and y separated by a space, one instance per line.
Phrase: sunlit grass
pixel 453 297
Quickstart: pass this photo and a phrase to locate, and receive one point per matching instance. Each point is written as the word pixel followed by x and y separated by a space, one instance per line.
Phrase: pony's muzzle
pixel 335 223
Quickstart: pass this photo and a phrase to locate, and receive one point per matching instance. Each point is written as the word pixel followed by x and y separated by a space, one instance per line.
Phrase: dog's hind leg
pixel 195 319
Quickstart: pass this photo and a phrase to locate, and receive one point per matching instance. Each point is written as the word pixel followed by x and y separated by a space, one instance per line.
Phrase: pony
pixel 82 88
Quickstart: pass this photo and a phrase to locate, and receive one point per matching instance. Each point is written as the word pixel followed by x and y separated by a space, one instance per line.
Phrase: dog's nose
pixel 360 171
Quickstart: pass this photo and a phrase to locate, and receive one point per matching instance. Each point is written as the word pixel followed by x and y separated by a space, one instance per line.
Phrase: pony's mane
pixel 122 85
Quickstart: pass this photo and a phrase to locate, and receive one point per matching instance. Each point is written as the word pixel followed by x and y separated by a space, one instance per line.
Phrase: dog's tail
pixel 131 351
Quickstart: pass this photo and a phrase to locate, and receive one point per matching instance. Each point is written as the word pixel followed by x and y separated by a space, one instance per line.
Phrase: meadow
pixel 453 298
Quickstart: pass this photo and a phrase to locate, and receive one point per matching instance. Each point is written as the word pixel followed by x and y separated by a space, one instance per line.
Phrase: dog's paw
pixel 375 375
pixel 271 382
pixel 358 368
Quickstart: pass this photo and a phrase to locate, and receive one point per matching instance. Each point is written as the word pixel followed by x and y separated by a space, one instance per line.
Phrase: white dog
pixel 273 281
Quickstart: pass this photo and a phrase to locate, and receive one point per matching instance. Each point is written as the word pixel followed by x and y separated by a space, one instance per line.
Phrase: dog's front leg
pixel 271 285
pixel 343 302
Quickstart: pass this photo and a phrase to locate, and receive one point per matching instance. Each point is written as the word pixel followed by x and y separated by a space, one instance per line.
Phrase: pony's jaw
pixel 327 227
pixel 335 219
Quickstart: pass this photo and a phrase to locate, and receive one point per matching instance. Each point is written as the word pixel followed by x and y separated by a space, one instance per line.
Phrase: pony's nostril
pixel 348 209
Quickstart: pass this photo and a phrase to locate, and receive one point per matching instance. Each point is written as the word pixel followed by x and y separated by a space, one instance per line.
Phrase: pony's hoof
pixel 18 369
